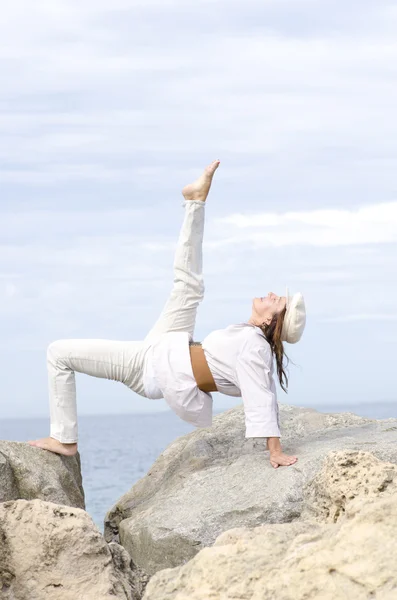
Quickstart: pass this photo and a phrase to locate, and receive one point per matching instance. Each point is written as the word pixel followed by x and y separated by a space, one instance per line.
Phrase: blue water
pixel 117 450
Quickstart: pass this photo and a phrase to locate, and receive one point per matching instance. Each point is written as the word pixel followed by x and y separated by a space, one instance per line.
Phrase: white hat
pixel 295 318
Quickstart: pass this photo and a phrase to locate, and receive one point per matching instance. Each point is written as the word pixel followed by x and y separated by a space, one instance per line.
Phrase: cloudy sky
pixel 109 107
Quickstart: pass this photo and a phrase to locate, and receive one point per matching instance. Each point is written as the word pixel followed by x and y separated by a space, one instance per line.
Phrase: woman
pixel 237 361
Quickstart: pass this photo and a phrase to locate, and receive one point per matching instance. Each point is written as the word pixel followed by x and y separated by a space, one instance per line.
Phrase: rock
pixel 215 479
pixel 353 557
pixel 56 552
pixel 344 477
pixel 28 473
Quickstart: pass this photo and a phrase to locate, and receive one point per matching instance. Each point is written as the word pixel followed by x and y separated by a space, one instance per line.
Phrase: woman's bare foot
pixel 282 460
pixel 277 456
pixel 198 190
pixel 53 445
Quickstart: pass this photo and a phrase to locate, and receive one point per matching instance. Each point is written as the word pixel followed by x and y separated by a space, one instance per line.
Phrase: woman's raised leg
pixel 180 310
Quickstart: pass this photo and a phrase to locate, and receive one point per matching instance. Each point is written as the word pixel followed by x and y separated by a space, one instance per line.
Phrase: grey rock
pixel 215 479
pixel 29 473
pixel 346 551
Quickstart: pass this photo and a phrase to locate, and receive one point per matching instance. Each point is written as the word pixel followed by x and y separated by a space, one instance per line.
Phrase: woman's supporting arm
pixel 260 400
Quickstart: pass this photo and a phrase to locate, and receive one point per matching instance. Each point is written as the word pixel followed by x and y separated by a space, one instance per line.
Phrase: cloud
pixel 10 290
pixel 360 317
pixel 87 91
pixel 327 276
pixel 373 224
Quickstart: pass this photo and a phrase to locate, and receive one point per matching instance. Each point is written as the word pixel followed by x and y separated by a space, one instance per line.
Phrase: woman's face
pixel 267 306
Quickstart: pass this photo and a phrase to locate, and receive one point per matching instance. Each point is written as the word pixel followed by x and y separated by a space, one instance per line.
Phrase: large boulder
pixel 54 552
pixel 215 479
pixel 27 473
pixel 347 553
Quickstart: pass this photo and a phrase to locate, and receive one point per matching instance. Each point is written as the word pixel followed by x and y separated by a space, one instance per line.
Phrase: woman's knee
pixel 56 350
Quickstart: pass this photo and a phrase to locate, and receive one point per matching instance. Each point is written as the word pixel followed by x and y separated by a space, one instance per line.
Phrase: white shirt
pixel 241 363
pixel 168 374
pixel 240 360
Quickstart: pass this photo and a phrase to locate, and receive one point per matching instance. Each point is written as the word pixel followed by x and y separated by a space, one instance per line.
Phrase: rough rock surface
pixel 54 552
pixel 353 557
pixel 29 473
pixel 345 476
pixel 215 479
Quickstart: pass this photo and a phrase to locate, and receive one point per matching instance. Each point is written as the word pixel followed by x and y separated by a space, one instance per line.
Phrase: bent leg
pixel 117 360
pixel 180 310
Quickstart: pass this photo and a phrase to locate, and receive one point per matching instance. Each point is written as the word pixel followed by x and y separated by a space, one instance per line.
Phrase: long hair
pixel 272 333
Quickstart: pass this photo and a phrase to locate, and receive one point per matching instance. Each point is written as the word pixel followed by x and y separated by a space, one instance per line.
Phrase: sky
pixel 108 108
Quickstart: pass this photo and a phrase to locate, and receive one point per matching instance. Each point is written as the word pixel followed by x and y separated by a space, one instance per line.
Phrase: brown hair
pixel 272 333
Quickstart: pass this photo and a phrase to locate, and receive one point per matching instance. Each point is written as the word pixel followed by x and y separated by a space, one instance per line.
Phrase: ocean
pixel 117 450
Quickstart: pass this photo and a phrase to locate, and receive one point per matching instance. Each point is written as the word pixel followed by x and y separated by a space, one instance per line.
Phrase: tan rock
pixel 54 552
pixel 345 476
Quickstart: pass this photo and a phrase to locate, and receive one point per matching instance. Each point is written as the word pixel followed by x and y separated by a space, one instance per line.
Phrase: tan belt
pixel 200 368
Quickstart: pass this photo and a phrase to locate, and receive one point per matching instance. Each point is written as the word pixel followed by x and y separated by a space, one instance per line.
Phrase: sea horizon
pixel 380 407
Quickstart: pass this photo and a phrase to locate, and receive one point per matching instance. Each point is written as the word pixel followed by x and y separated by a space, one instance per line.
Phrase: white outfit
pixel 239 356
pixel 241 363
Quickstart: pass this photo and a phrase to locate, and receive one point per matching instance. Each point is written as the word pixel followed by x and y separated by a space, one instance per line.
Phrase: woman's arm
pixel 260 400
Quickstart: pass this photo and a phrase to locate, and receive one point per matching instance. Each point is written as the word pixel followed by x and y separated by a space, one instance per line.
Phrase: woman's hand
pixel 277 457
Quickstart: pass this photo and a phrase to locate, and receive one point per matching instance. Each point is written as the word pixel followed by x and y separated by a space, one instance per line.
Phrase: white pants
pixel 125 361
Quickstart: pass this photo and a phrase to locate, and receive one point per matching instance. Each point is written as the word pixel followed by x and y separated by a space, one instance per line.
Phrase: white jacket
pixel 241 363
